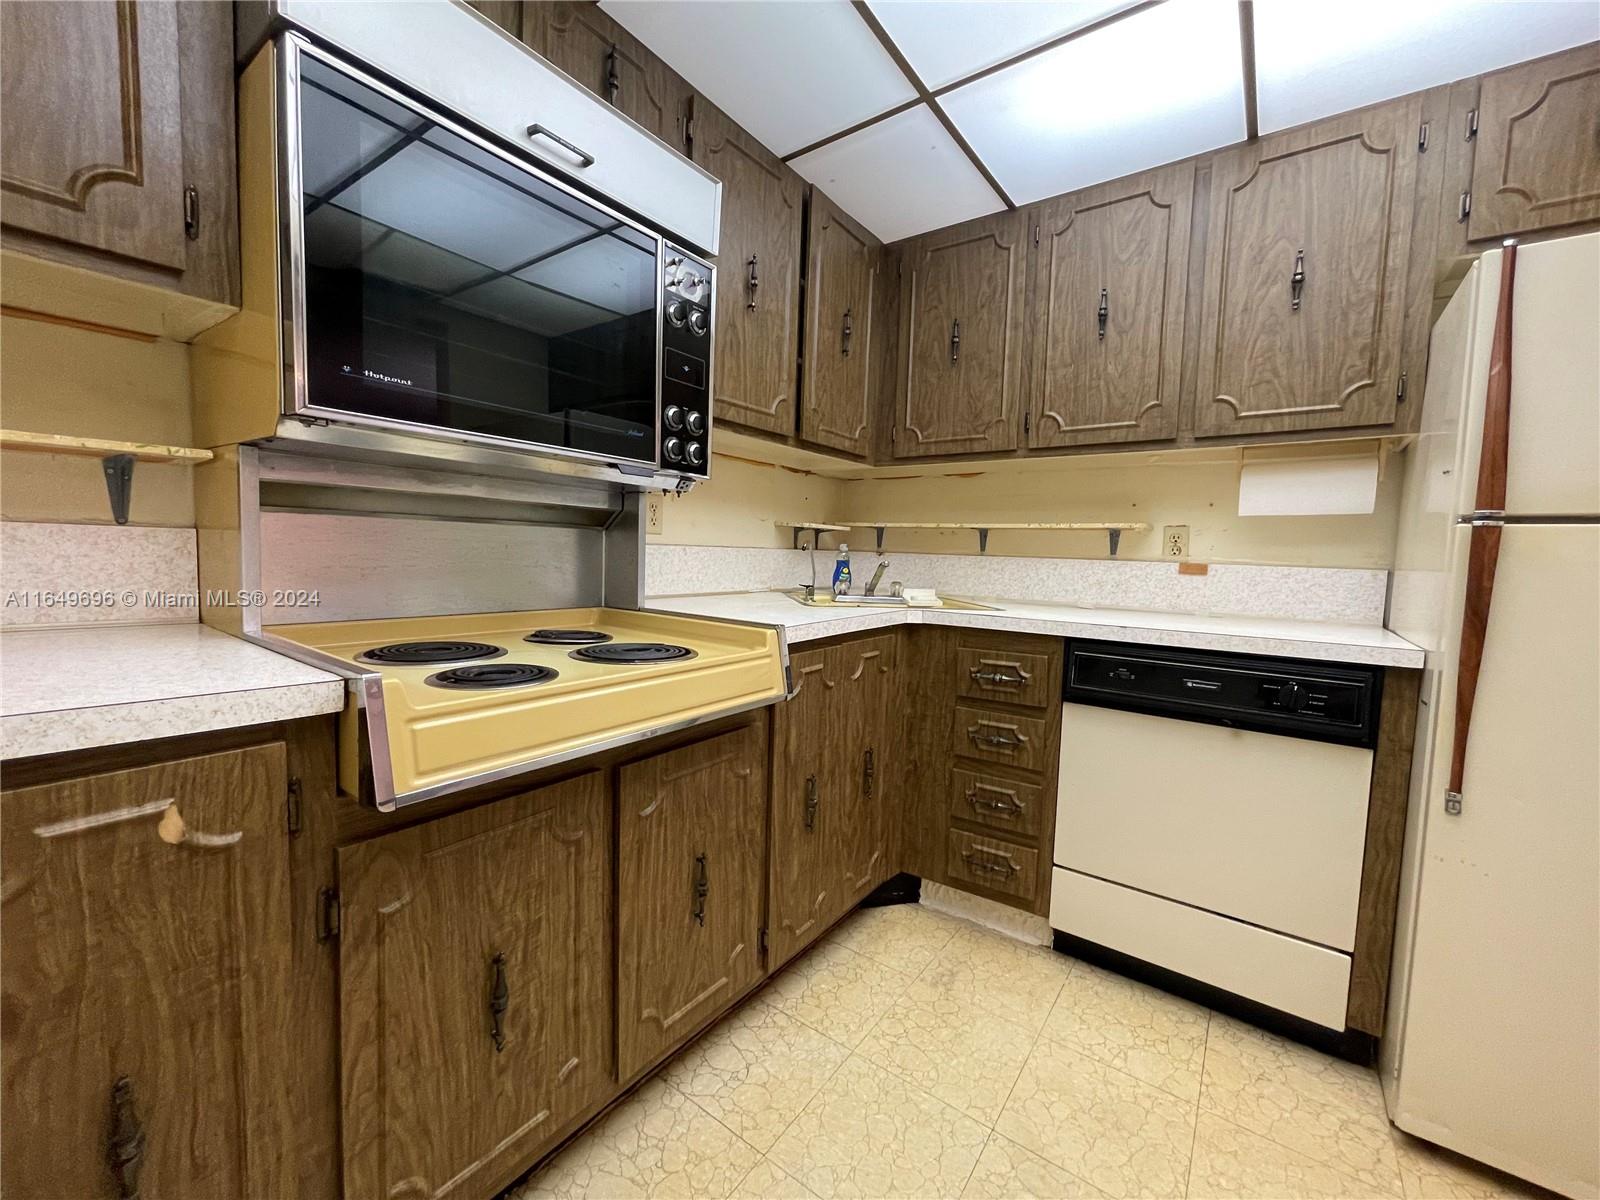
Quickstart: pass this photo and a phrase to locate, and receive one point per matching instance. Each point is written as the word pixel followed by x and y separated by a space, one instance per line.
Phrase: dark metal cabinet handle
pixel 125 1147
pixel 1297 281
pixel 992 677
pixel 702 889
pixel 982 735
pixel 955 340
pixel 1102 313
pixel 613 81
pixel 977 861
pixel 845 342
pixel 811 803
pixel 499 1001
pixel 868 771
pixel 585 159
pixel 754 282
pixel 1008 805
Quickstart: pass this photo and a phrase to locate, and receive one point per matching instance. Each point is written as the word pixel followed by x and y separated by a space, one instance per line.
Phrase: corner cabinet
pixel 758 275
pixel 1305 272
pixel 475 990
pixel 1108 291
pixel 147 948
pixel 842 285
pixel 1536 164
pixel 962 327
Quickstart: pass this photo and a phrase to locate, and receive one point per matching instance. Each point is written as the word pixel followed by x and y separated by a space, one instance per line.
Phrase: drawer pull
pixel 1297 280
pixel 125 1149
pixel 1005 803
pixel 811 803
pixel 869 772
pixel 985 735
pixel 585 159
pixel 990 677
pixel 983 864
pixel 499 1001
pixel 702 889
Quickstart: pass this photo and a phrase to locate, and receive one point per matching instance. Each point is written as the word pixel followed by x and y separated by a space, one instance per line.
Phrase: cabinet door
pixel 758 275
pixel 591 47
pixel 861 832
pixel 1305 268
pixel 103 169
pixel 689 862
pixel 961 339
pixel 505 13
pixel 841 288
pixel 1537 162
pixel 475 990
pixel 806 780
pixel 1109 279
pixel 147 928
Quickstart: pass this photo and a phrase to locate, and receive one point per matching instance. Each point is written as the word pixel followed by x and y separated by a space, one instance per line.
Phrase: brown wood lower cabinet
pixel 146 1018
pixel 475 990
pixel 689 889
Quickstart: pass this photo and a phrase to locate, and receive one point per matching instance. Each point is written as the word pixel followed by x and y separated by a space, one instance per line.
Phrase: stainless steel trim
pixel 1490 518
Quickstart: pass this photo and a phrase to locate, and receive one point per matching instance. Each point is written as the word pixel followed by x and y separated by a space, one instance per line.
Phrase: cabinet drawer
pixel 1000 737
pixel 992 865
pixel 1000 803
pixel 1001 675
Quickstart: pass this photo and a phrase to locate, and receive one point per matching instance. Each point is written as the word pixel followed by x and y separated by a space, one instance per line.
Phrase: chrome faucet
pixel 877 576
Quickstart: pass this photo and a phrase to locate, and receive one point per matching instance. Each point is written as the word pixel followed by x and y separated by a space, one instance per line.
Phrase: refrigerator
pixel 1492 1039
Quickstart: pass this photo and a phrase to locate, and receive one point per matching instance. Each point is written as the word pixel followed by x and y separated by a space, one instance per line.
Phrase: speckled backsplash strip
pixel 1353 595
pixel 61 575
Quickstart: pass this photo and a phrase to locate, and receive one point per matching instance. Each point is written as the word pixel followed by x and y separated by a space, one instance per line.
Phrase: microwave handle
pixel 585 159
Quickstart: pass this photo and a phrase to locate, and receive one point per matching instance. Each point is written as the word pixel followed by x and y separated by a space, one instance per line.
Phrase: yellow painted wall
pixel 61 379
pixel 741 502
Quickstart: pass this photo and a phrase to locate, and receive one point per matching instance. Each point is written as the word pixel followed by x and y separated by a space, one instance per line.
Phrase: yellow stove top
pixel 424 739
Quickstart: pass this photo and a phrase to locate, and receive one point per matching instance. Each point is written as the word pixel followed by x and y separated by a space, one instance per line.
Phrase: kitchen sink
pixel 827 600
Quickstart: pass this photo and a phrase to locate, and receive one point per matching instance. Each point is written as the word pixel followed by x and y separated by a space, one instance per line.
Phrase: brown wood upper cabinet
pixel 135 175
pixel 147 932
pixel 961 334
pixel 1305 269
pixel 758 275
pixel 1108 290
pixel 690 853
pixel 608 60
pixel 475 990
pixel 842 280
pixel 1537 160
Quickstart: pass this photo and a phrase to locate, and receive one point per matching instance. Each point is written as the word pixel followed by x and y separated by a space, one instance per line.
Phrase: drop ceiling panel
pixel 900 177
pixel 1314 60
pixel 1158 86
pixel 944 40
pixel 790 71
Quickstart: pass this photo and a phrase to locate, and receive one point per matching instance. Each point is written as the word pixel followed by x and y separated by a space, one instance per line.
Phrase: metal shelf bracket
pixel 119 484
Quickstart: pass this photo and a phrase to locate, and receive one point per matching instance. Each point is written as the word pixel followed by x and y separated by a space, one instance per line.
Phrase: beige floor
pixel 914 1054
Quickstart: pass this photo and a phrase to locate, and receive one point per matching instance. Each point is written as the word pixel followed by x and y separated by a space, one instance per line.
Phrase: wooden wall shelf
pixel 1113 529
pixel 116 458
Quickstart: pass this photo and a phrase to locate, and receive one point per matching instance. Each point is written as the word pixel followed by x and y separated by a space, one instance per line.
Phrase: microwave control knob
pixel 673 448
pixel 697 321
pixel 697 454
pixel 695 423
pixel 673 416
pixel 675 312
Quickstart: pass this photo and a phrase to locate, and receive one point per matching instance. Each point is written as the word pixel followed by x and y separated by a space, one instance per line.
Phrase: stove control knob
pixel 676 312
pixel 673 416
pixel 673 448
pixel 697 454
pixel 695 423
pixel 697 321
pixel 1291 696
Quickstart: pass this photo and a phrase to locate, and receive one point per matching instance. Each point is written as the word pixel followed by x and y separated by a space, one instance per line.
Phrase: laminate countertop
pixel 71 689
pixel 1327 641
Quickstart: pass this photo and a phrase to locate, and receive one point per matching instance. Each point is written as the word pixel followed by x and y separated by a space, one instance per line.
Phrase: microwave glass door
pixel 450 288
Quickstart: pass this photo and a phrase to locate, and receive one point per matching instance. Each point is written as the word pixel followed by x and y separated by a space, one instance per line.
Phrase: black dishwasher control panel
pixel 1293 696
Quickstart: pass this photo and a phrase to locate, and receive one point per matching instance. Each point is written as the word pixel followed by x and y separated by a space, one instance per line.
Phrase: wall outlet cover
pixel 653 504
pixel 1174 541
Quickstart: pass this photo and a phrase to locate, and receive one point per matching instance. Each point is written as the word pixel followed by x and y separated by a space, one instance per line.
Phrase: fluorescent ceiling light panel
pixel 945 40
pixel 901 177
pixel 790 71
pixel 1161 85
pixel 1314 60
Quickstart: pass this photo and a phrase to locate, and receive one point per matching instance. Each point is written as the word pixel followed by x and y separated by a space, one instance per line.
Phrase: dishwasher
pixel 1211 816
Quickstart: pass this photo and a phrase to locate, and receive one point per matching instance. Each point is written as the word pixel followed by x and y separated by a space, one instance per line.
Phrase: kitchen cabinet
pixel 758 275
pixel 1536 163
pixel 147 931
pixel 505 13
pixel 842 282
pixel 861 834
pixel 475 989
pixel 1305 271
pixel 1109 279
pixel 962 326
pixel 608 60
pixel 135 177
pixel 690 855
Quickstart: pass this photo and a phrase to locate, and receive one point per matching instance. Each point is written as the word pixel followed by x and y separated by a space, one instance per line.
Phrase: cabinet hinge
pixel 328 915
pixel 191 213
pixel 1472 124
pixel 1422 138
pixel 1400 389
pixel 1027 423
pixel 688 137
pixel 292 807
pixel 1035 235
pixel 1464 207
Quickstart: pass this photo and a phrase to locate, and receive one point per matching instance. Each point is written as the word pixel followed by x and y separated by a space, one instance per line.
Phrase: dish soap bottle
pixel 841 571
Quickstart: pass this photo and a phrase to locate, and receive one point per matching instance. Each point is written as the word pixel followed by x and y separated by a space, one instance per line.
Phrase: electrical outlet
pixel 653 503
pixel 1174 541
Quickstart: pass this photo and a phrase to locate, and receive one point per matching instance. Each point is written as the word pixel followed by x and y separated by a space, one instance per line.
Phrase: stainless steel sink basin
pixel 827 600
